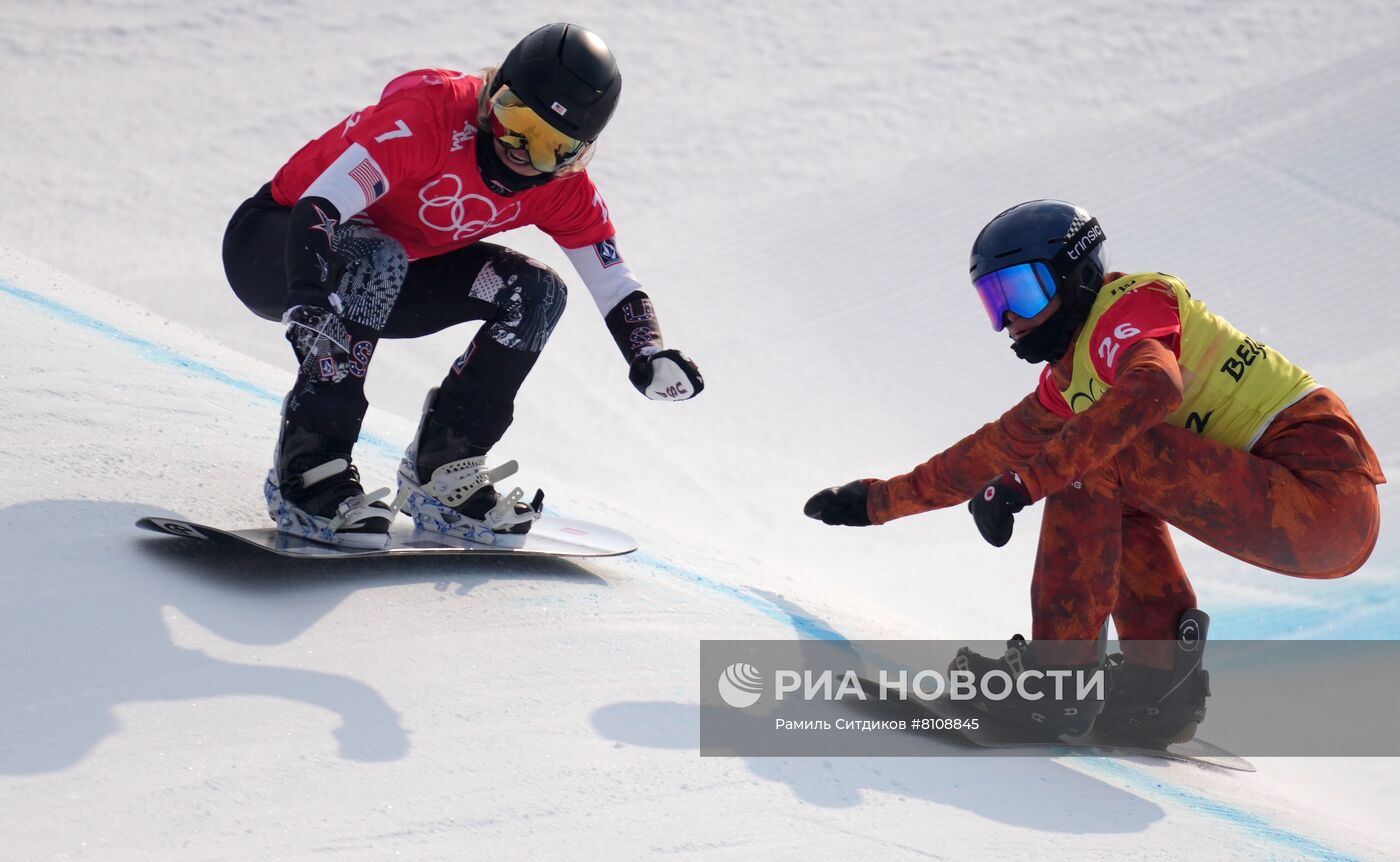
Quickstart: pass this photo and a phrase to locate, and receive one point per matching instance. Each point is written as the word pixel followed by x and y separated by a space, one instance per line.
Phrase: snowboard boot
pixel 445 487
pixel 1047 716
pixel 313 491
pixel 1157 707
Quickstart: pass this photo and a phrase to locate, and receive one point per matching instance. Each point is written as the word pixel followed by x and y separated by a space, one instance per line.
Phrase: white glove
pixel 666 375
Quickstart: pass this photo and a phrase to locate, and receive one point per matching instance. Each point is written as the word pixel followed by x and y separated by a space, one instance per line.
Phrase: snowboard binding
pixel 460 500
pixel 313 491
pixel 1154 706
pixel 456 496
pixel 1045 715
pixel 357 521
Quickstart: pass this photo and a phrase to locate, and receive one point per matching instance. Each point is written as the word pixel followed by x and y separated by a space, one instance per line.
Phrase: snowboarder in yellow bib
pixel 1151 410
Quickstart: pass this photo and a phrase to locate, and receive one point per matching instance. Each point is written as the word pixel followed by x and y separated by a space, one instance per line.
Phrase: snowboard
pixel 548 537
pixel 995 733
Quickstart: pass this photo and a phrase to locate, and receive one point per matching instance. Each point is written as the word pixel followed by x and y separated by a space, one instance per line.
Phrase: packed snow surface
pixel 797 185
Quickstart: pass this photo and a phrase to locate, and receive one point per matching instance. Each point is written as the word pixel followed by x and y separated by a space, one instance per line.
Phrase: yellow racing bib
pixel 1233 385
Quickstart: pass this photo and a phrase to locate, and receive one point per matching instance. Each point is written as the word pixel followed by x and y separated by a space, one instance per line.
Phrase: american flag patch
pixel 367 176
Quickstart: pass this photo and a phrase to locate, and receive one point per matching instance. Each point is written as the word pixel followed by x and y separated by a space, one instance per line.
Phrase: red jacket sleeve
pixel 403 134
pixel 954 475
pixel 1150 311
pixel 1147 388
pixel 1047 450
pixel 579 217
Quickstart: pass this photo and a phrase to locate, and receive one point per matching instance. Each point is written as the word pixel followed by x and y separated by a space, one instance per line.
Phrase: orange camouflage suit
pixel 1115 469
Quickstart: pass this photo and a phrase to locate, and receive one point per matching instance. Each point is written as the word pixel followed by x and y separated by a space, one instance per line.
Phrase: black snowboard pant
pixel 384 295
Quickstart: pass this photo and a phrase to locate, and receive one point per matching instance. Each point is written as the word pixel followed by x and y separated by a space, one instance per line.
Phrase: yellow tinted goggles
pixel 517 126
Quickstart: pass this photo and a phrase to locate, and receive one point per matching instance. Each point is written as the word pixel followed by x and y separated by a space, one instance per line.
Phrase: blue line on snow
pixel 162 355
pixel 1250 823
pixel 157 353
pixel 804 626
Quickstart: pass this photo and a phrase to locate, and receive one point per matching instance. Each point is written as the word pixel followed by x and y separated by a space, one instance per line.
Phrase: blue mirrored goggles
pixel 1024 289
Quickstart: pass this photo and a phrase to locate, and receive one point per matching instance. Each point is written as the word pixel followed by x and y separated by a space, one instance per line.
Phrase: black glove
pixel 318 337
pixel 844 506
pixel 666 375
pixel 994 506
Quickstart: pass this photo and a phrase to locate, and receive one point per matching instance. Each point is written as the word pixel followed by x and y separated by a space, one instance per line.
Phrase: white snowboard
pixel 548 537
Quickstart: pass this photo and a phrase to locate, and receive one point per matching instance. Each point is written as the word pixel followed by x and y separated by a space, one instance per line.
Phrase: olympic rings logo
pixel 466 215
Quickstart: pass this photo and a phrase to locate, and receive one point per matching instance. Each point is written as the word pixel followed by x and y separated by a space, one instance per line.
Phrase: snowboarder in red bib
pixel 1150 411
pixel 374 230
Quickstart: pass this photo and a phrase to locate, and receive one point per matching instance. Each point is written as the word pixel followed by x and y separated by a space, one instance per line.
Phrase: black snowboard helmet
pixel 567 75
pixel 1069 243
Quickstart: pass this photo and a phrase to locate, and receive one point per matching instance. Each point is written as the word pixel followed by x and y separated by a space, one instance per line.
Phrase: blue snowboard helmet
pixel 1036 251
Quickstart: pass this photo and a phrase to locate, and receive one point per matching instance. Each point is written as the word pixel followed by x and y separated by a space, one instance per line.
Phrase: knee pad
pixel 373 269
pixel 529 298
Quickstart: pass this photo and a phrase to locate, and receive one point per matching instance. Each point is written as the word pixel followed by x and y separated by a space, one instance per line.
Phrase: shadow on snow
pixel 82 628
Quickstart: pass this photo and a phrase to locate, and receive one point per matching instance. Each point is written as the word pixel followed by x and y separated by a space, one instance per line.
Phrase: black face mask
pixel 1049 341
pixel 499 178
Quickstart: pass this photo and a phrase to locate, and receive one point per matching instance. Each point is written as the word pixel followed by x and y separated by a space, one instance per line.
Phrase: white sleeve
pixel 606 275
pixel 352 182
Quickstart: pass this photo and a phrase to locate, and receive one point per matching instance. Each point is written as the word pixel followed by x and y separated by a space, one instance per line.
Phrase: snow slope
pixel 160 701
pixel 798 189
